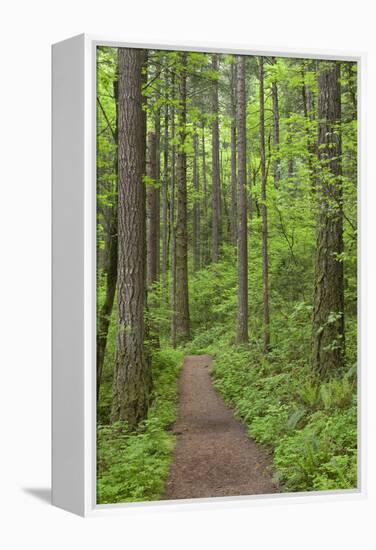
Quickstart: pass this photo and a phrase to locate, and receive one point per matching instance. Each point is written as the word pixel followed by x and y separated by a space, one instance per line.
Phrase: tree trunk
pixel 196 245
pixel 172 227
pixel 276 161
pixel 152 206
pixel 205 253
pixel 264 213
pixel 165 220
pixel 234 189
pixel 181 299
pixel 132 375
pixel 216 189
pixel 328 339
pixel 157 122
pixel 242 328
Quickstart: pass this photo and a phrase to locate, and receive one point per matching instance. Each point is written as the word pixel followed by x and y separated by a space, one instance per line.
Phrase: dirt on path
pixel 213 454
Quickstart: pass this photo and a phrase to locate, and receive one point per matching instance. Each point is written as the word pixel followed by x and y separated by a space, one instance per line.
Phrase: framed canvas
pixel 207 290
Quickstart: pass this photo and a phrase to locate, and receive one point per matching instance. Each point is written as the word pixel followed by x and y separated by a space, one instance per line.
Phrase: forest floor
pixel 213 455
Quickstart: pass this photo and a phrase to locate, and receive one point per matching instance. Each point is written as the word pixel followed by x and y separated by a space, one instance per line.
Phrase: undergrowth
pixel 134 466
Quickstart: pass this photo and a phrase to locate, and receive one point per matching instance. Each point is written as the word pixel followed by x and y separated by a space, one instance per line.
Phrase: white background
pixel 27 30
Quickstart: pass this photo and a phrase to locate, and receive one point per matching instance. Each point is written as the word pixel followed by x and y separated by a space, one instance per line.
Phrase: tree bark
pixel 172 225
pixel 242 325
pixel 196 231
pixel 182 304
pixel 276 140
pixel 328 338
pixel 264 213
pixel 132 374
pixel 216 186
pixel 152 207
pixel 165 206
pixel 205 252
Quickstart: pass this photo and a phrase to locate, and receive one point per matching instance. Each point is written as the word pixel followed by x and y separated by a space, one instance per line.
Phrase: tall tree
pixel 196 228
pixel 165 205
pixel 264 213
pixel 276 140
pixel 242 325
pixel 234 189
pixel 181 297
pixel 205 253
pixel 132 376
pixel 172 221
pixel 216 185
pixel 328 338
pixel 152 210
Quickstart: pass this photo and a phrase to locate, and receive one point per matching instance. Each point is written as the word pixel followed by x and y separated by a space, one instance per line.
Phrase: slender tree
pixel 165 205
pixel 172 222
pixel 181 296
pixel 205 253
pixel 196 228
pixel 242 327
pixel 216 185
pixel 328 338
pixel 234 189
pixel 276 139
pixel 264 213
pixel 132 376
pixel 152 210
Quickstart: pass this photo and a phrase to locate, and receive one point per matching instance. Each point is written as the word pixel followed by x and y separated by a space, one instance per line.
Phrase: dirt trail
pixel 213 455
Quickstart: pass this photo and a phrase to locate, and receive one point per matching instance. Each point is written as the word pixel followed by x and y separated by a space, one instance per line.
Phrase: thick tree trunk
pixel 132 375
pixel 276 140
pixel 328 339
pixel 181 299
pixel 196 231
pixel 104 314
pixel 242 325
pixel 264 213
pixel 216 185
pixel 234 188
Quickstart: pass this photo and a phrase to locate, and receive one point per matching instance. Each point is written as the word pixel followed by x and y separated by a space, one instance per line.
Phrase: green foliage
pixel 132 466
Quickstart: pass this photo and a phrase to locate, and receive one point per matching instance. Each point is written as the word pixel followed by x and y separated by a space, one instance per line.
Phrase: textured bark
pixel 132 374
pixel 264 213
pixel 181 298
pixel 242 325
pixel 216 186
pixel 152 210
pixel 196 244
pixel 328 341
pixel 104 314
pixel 234 188
pixel 276 140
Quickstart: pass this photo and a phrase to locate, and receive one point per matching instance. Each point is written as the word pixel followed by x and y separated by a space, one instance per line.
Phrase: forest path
pixel 213 454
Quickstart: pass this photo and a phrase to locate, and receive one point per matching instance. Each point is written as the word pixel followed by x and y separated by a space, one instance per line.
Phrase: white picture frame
pixel 73 275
